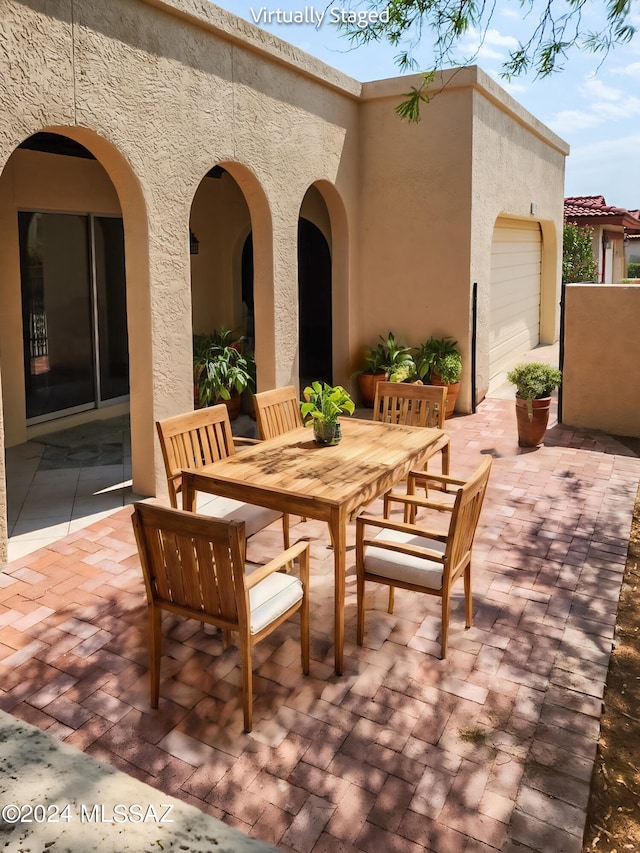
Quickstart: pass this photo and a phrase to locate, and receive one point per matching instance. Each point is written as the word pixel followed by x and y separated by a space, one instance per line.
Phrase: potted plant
pixel 535 382
pixel 322 406
pixel 221 370
pixel 439 361
pixel 387 360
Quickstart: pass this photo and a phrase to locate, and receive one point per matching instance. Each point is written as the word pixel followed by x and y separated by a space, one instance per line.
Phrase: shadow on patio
pixel 491 749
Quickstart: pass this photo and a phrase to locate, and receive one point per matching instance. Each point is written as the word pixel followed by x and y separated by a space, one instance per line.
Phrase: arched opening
pixel 314 305
pixel 227 212
pixel 315 287
pixel 75 335
pixel 64 296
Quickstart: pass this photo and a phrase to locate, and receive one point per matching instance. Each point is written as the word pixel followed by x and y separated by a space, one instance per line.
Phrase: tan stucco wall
pixel 160 92
pixel 431 195
pixel 601 377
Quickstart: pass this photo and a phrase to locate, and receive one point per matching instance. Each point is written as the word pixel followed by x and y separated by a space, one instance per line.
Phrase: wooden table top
pixel 371 458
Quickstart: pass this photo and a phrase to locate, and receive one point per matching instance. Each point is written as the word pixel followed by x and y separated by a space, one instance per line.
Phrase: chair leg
pixel 446 459
pixel 445 624
pixel 247 684
pixel 285 529
pixel 155 652
pixel 360 608
pixel 468 598
pixel 390 607
pixel 304 633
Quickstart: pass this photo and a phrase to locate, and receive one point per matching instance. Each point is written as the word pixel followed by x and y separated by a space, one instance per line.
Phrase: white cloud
pixel 489 45
pixel 595 88
pixel 595 167
pixel 567 121
pixel 631 70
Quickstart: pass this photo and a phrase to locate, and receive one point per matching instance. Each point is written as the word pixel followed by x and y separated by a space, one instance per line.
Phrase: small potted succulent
pixel 535 382
pixel 439 361
pixel 322 405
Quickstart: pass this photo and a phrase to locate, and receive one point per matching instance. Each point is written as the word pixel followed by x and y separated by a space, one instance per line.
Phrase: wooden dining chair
pixel 196 439
pixel 193 566
pixel 277 411
pixel 413 557
pixel 414 405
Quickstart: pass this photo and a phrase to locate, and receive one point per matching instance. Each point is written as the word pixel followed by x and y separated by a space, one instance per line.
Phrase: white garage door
pixel 516 265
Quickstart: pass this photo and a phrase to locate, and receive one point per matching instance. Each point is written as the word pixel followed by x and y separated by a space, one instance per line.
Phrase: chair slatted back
pixel 192 563
pixel 193 440
pixel 277 412
pixel 465 515
pixel 409 404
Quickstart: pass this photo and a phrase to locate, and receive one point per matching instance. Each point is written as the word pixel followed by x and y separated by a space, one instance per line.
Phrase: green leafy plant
pixel 633 270
pixel 578 261
pixel 534 380
pixel 390 357
pixel 220 368
pixel 439 356
pixel 325 403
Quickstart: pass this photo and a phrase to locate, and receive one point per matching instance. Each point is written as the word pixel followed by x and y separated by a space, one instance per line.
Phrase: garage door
pixel 516 265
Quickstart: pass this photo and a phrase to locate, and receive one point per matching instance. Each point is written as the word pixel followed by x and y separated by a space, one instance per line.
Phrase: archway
pixel 315 336
pixel 232 271
pixel 323 286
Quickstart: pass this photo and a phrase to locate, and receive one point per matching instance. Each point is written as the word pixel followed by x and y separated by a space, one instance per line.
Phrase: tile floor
pixel 65 481
pixel 489 750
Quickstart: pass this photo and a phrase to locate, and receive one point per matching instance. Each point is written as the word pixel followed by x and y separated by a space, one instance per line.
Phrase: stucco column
pixel 160 344
pixel 286 301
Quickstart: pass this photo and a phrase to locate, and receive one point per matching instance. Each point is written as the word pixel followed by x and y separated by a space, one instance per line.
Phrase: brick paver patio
pixel 491 749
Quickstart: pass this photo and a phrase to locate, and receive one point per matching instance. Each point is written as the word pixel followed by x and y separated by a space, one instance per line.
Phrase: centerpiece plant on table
pixel 322 405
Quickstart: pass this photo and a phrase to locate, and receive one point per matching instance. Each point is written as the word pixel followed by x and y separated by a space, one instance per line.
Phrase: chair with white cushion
pixel 196 439
pixel 194 566
pixel 410 556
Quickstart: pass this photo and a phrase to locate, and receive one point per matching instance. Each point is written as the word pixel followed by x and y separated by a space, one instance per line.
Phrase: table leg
pixel 338 531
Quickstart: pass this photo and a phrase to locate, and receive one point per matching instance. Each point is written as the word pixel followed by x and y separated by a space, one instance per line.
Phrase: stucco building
pixel 135 130
pixel 612 227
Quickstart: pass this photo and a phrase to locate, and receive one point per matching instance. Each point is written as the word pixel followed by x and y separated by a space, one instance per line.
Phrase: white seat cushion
pixel 271 598
pixel 255 517
pixel 405 567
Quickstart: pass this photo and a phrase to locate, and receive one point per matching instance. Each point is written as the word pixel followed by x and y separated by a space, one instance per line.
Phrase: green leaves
pixel 534 380
pixel 578 261
pixel 325 402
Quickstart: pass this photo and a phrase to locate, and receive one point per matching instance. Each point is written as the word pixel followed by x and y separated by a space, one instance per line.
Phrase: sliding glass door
pixel 73 312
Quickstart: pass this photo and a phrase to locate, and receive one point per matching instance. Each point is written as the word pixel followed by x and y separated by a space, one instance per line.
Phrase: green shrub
pixel 534 380
pixel 578 261
pixel 633 270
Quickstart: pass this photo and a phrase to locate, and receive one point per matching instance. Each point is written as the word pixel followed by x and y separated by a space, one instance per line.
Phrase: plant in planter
pixel 535 382
pixel 439 361
pixel 221 370
pixel 387 360
pixel 322 405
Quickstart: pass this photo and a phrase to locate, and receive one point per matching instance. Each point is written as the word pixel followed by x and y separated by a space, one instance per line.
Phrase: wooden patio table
pixel 292 474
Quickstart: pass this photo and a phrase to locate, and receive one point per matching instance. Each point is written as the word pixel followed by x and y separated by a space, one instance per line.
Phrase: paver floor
pixel 491 749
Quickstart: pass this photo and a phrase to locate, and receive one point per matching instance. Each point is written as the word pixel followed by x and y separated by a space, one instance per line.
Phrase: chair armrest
pixel 279 562
pixel 443 479
pixel 401 527
pixel 245 441
pixel 414 500
pixel 419 551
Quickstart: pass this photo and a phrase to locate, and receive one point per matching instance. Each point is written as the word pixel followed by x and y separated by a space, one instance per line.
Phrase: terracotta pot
pixel 233 405
pixel 326 433
pixel 532 421
pixel 452 393
pixel 367 385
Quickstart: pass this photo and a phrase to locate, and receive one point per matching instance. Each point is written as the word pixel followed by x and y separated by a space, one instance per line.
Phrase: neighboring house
pixel 135 131
pixel 612 227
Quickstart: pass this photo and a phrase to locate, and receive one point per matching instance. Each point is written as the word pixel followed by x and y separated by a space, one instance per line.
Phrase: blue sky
pixel 595 109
